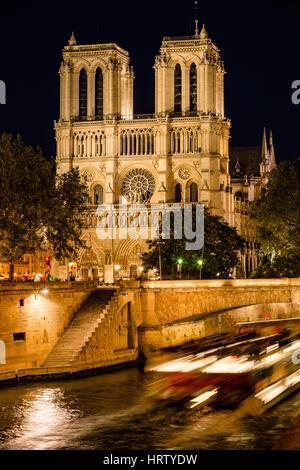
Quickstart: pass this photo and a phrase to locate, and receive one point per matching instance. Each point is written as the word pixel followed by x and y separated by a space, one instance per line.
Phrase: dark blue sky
pixel 259 42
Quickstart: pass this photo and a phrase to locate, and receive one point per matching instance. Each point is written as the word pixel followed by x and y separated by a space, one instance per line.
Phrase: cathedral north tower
pixel 95 81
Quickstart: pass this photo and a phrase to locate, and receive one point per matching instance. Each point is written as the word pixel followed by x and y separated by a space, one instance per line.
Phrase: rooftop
pixel 249 159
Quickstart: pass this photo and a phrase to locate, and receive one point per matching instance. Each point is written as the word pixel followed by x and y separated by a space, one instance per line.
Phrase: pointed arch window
pixel 82 93
pixel 99 93
pixel 178 192
pixel 193 88
pixel 98 194
pixel 177 89
pixel 194 192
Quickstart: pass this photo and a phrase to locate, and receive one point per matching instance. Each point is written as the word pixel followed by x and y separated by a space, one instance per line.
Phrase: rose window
pixel 184 173
pixel 138 186
pixel 89 175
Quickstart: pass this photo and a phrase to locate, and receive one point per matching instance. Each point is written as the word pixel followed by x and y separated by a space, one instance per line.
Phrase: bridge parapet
pixel 164 302
pixel 212 283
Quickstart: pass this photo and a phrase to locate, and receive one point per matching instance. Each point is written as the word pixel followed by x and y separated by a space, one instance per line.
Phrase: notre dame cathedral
pixel 178 154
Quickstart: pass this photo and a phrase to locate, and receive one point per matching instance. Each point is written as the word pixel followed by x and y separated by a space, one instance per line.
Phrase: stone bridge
pixel 174 312
pixel 73 327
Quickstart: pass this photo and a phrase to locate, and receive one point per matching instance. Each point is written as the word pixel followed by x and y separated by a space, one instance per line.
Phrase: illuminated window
pixel 82 93
pixel 193 88
pixel 177 89
pixel 99 93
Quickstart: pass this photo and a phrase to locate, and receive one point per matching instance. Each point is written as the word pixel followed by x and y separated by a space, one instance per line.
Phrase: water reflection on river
pixel 113 411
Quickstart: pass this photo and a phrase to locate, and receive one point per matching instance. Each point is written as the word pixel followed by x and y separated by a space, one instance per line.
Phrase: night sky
pixel 259 42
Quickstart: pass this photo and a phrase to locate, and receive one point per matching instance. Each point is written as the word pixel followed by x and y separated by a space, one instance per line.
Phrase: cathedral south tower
pixel 189 91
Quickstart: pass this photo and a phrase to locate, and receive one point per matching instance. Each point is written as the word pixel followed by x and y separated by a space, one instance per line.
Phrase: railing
pixel 117 207
pixel 181 38
pixel 95 117
pixel 142 116
pixel 121 216
pixel 119 117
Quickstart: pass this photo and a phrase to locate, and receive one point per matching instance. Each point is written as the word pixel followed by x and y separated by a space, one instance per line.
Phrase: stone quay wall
pixel 43 317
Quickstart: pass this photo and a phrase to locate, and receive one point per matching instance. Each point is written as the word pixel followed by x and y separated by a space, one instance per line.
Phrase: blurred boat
pixel 219 377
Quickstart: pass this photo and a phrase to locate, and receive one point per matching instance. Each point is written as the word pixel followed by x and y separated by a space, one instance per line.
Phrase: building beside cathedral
pixel 249 168
pixel 178 154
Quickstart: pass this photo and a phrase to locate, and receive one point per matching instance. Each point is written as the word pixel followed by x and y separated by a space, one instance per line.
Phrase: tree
pixel 277 266
pixel 277 217
pixel 36 206
pixel 220 253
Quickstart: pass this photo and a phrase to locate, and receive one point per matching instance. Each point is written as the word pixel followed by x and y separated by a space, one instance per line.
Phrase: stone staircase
pixel 81 329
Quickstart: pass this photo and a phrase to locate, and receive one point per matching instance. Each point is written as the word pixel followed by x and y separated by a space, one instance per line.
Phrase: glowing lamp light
pixel 141 269
pixel 45 291
pixel 200 262
pixel 117 267
pixel 180 261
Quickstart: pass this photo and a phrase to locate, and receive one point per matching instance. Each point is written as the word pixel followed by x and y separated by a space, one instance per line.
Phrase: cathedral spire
pixel 238 169
pixel 272 152
pixel 72 40
pixel 264 148
pixel 196 17
pixel 238 165
pixel 203 34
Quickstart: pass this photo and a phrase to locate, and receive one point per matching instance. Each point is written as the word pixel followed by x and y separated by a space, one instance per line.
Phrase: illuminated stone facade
pixel 32 265
pixel 178 154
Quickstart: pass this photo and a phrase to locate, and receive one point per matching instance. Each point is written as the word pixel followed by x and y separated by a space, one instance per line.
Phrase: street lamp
pixel 179 263
pixel 200 262
pixel 140 269
pixel 117 268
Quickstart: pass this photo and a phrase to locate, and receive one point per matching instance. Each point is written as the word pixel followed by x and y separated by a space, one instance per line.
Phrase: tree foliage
pixel 277 266
pixel 219 254
pixel 36 206
pixel 277 217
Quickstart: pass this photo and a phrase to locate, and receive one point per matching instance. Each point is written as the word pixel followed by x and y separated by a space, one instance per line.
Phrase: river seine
pixel 114 411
